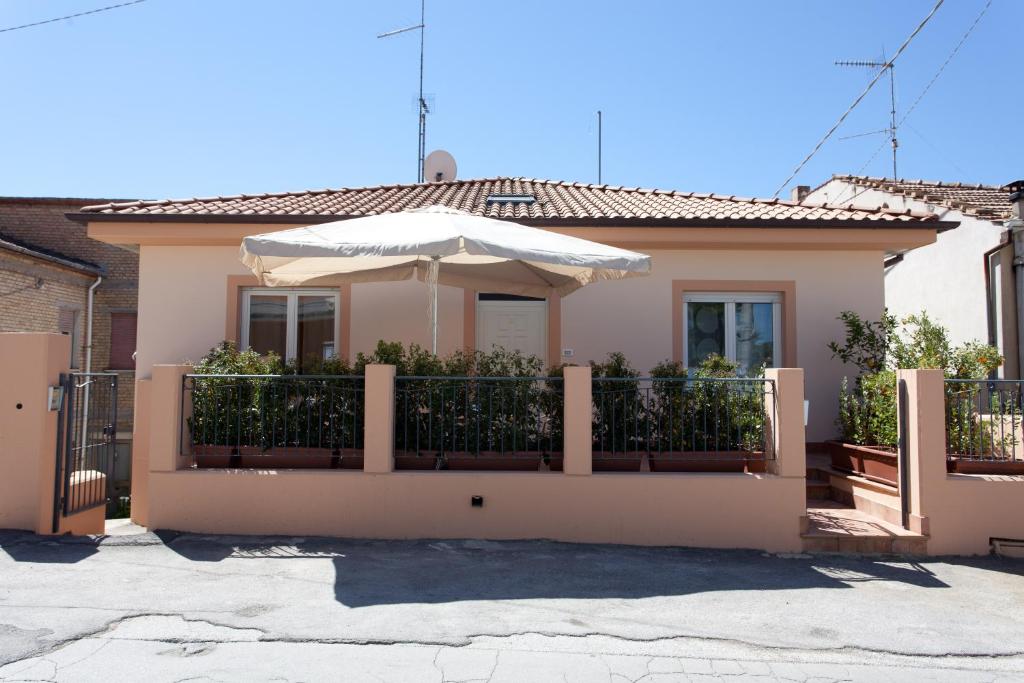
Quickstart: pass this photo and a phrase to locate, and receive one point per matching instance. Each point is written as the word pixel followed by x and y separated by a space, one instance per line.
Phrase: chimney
pixel 1016 189
pixel 799 193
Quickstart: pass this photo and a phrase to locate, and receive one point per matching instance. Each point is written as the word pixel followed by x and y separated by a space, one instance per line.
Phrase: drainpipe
pixel 88 324
pixel 84 438
pixel 1016 227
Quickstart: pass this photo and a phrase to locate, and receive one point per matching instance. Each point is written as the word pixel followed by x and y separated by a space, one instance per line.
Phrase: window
pixel 293 323
pixel 67 323
pixel 744 328
pixel 122 340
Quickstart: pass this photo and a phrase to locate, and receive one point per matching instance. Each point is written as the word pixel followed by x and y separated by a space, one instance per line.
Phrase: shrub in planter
pixel 223 407
pixel 868 410
pixel 455 416
pixel 620 416
pixel 306 419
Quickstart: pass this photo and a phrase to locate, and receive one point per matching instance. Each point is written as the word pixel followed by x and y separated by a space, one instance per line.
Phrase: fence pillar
pixel 578 442
pixel 786 421
pixel 165 425
pixel 925 441
pixel 140 452
pixel 379 432
pixel 29 365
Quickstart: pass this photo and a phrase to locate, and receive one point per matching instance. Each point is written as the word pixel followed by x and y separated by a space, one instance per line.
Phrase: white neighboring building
pixel 965 280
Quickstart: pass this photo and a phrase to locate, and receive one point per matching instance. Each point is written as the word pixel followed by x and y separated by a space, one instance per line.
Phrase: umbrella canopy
pixel 438 245
pixel 472 252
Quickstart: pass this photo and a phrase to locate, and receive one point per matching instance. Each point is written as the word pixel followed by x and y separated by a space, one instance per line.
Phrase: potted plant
pixel 700 424
pixel 868 414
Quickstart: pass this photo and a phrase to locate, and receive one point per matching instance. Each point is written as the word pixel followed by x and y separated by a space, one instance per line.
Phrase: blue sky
pixel 175 98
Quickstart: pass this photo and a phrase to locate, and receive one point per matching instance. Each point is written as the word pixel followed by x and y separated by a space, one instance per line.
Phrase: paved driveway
pixel 202 608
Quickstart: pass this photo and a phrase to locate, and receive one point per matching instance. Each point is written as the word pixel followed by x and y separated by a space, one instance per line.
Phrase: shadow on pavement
pixel 401 572
pixel 24 546
pixel 429 572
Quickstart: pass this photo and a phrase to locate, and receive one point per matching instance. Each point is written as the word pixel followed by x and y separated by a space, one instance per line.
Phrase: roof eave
pixel 312 219
pixel 81 267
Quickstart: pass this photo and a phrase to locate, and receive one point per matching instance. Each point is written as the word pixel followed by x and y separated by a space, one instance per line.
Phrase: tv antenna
pixel 891 130
pixel 598 146
pixel 421 146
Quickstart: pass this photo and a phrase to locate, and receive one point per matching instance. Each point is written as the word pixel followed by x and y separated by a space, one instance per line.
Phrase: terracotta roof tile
pixel 983 201
pixel 555 201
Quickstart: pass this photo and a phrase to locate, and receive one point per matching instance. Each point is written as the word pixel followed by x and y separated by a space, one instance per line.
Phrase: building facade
pixel 965 281
pixel 758 281
pixel 48 264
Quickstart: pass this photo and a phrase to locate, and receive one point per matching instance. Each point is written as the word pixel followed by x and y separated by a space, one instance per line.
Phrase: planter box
pixel 962 465
pixel 629 461
pixel 486 461
pixel 708 461
pixel 871 462
pixel 252 457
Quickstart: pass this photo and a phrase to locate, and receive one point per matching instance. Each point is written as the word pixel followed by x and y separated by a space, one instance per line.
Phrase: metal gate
pixel 86 431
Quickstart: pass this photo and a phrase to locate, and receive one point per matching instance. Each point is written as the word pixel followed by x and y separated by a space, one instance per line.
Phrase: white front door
pixel 518 325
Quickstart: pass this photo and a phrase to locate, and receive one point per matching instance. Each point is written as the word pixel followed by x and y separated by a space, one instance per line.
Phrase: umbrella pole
pixel 435 265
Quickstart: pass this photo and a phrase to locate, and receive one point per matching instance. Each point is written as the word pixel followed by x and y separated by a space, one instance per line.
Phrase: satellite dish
pixel 439 166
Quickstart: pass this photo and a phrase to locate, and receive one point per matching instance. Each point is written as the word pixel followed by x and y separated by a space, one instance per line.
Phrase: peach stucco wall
pixel 182 308
pixel 29 364
pixel 635 316
pixel 664 509
pixel 960 513
pixel 574 505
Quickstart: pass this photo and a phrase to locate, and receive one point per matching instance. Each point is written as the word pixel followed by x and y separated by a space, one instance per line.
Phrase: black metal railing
pixel 286 420
pixel 478 422
pixel 983 421
pixel 679 424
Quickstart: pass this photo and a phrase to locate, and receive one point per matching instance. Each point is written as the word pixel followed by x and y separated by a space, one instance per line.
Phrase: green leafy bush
pixel 682 410
pixel 868 410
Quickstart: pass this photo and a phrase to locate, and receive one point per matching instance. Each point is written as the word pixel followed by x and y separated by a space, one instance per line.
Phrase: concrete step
pixel 818 490
pixel 832 528
pixel 818 474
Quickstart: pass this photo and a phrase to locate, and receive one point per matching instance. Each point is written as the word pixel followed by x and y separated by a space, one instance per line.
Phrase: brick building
pixel 47 265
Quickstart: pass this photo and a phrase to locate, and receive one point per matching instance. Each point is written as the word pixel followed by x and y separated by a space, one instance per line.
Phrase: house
pixel 965 281
pixel 724 268
pixel 50 270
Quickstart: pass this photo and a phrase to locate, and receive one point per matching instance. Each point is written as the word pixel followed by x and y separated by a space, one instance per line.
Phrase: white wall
pixel 946 279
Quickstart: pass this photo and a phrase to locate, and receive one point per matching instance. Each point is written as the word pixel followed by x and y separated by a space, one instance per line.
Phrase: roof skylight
pixel 511 199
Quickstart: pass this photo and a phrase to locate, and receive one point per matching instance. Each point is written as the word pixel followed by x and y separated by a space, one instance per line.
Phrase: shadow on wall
pixel 369 573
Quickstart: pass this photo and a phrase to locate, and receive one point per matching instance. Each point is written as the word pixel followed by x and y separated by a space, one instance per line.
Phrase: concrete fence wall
pixel 961 513
pixel 727 510
pixel 30 364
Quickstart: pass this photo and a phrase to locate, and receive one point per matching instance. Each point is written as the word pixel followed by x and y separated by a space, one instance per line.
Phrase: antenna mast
pixel 598 146
pixel 421 143
pixel 891 130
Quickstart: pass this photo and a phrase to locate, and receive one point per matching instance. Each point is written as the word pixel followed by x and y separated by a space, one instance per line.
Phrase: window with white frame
pixel 296 324
pixel 744 328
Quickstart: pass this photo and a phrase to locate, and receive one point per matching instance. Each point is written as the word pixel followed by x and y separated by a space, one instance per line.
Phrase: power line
pixel 948 60
pixel 70 16
pixel 859 98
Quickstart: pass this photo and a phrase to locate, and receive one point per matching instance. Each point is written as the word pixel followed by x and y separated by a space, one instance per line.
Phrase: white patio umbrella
pixel 437 245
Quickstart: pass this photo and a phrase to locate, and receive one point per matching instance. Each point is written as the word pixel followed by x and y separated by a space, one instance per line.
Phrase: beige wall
pixel 662 509
pixel 961 513
pixel 635 316
pixel 182 308
pixel 29 364
pixel 574 505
